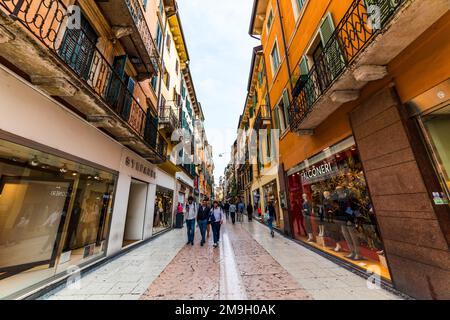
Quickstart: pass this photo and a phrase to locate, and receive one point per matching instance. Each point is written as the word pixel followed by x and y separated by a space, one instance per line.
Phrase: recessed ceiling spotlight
pixel 34 162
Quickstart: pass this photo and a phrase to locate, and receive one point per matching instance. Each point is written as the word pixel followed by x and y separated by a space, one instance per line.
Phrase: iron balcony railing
pixel 47 21
pixel 263 115
pixel 135 10
pixel 168 116
pixel 351 36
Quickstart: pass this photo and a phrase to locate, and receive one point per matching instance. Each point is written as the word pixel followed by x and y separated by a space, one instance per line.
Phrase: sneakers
pixel 215 245
pixel 273 234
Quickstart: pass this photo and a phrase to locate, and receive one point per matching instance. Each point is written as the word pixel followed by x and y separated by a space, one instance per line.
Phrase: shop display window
pixel 270 191
pixel 54 213
pixel 437 130
pixel 163 210
pixel 331 208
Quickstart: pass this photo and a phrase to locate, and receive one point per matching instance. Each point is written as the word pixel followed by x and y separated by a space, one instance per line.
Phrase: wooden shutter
pixel 304 68
pixel 286 108
pixel 326 29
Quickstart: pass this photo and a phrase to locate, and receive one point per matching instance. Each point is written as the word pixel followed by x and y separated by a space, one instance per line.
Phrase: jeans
pixel 190 224
pixel 270 222
pixel 202 226
pixel 216 231
pixel 233 217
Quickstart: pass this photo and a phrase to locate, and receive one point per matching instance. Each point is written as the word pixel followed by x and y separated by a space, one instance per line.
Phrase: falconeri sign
pixel 140 167
pixel 317 172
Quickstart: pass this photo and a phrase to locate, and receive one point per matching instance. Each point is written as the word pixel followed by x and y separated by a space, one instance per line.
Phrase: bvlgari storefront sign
pixel 140 167
pixel 318 172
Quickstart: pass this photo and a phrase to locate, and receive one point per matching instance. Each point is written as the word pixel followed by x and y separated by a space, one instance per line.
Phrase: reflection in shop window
pixel 163 209
pixel 54 213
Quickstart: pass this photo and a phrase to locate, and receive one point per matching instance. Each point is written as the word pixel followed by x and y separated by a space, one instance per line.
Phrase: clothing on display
pixel 331 208
pixel 163 209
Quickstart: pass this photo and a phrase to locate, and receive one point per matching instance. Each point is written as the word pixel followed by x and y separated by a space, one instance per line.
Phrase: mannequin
pixel 347 204
pixel 327 210
pixel 307 215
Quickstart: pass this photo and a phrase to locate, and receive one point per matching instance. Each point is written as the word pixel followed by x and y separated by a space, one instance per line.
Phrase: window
pixel 298 6
pixel 168 42
pixel 269 20
pixel 275 58
pixel 159 36
pixel 277 118
pixel 154 82
pixel 286 108
pixel 144 4
pixel 177 66
pixel 183 91
pixel 161 7
pixel 166 78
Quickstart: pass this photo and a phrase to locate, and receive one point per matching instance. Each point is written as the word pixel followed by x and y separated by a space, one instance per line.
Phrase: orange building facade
pixel 362 104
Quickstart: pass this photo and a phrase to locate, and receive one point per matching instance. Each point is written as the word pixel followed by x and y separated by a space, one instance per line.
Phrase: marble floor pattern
pixel 248 264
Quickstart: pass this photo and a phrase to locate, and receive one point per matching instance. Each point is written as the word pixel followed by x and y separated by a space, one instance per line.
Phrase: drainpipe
pixel 284 45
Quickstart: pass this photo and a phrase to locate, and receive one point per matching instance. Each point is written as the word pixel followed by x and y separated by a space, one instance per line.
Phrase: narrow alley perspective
pixel 248 264
pixel 194 157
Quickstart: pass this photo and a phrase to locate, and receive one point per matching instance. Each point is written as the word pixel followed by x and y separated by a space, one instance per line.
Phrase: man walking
pixel 241 208
pixel 191 213
pixel 202 220
pixel 233 212
pixel 216 217
pixel 249 211
pixel 226 208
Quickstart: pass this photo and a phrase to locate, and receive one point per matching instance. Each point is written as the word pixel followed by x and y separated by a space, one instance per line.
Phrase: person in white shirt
pixel 191 214
pixel 216 218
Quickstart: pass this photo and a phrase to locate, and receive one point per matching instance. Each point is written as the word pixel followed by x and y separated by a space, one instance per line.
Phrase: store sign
pixel 140 167
pixel 317 172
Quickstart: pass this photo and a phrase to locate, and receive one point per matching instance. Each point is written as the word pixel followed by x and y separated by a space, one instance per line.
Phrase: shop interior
pixel 332 211
pixel 163 209
pixel 270 191
pixel 54 214
pixel 437 130
pixel 137 204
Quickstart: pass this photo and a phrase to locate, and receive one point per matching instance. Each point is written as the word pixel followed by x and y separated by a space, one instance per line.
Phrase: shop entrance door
pixel 137 203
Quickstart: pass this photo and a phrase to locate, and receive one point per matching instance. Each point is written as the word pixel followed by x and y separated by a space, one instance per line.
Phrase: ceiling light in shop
pixel 63 169
pixel 97 177
pixel 74 174
pixel 34 162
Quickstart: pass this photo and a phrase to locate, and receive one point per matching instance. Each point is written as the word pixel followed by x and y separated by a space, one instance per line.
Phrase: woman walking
pixel 216 218
pixel 202 220
pixel 272 216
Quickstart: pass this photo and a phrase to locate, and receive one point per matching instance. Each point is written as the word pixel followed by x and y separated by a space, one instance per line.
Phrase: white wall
pixel 137 204
pixel 29 114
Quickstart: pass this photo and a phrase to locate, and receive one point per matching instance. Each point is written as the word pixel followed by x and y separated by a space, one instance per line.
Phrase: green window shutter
pixel 286 108
pixel 251 112
pixel 326 29
pixel 304 68
pixel 300 3
pixel 277 118
pixel 260 78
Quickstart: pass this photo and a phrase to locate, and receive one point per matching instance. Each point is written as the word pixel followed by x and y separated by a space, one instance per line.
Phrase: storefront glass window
pixel 163 209
pixel 437 127
pixel 54 213
pixel 270 191
pixel 331 208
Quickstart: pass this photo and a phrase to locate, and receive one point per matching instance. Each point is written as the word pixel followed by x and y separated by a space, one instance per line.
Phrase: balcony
pixel 66 64
pixel 357 53
pixel 263 119
pixel 168 120
pixel 130 27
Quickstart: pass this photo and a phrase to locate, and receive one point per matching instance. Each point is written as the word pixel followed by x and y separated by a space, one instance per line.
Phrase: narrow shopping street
pixel 248 264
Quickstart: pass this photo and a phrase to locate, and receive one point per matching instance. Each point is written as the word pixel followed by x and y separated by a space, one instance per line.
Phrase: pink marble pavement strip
pixel 195 272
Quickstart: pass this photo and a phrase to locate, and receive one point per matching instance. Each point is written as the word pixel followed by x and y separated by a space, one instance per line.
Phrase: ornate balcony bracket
pixel 103 121
pixel 5 35
pixel 343 96
pixel 305 132
pixel 370 73
pixel 54 86
pixel 120 32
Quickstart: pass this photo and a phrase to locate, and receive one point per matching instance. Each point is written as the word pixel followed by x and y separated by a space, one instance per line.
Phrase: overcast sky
pixel 220 51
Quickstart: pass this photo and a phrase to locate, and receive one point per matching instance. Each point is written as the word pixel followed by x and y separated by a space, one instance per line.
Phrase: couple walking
pixel 205 216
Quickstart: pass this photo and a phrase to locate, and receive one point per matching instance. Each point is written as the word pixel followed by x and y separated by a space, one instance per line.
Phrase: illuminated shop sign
pixel 140 167
pixel 318 172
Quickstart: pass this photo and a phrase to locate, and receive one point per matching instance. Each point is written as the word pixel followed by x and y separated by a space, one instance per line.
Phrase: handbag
pixel 212 218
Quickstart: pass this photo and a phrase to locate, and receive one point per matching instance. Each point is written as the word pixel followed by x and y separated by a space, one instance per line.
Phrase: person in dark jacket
pixel 272 216
pixel 249 212
pixel 202 219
